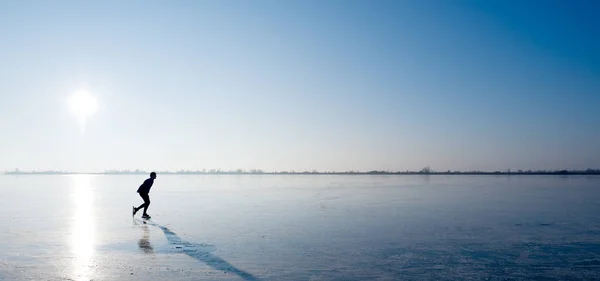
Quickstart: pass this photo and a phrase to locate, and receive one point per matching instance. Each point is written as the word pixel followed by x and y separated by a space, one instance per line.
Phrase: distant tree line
pixel 425 171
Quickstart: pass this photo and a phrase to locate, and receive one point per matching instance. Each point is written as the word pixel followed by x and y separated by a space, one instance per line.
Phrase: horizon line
pixel 425 170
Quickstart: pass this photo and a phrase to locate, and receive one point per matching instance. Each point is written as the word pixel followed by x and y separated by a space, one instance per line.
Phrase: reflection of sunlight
pixel 82 237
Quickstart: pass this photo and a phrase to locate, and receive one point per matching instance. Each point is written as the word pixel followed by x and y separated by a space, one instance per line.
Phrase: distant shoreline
pixel 533 173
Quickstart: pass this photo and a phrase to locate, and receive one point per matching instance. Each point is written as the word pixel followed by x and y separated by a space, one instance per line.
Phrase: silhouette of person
pixel 144 190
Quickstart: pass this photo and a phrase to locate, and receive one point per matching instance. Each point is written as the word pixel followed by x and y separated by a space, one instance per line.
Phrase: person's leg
pixel 144 205
pixel 146 202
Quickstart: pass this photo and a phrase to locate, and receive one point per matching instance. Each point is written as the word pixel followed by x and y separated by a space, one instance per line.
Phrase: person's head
pixel 153 175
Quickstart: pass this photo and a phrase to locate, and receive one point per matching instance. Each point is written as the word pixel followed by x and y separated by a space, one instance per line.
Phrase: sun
pixel 84 106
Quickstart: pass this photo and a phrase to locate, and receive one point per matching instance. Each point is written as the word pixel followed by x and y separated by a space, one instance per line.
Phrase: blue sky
pixel 301 85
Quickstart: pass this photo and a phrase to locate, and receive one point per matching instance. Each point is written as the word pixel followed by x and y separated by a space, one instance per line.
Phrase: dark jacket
pixel 145 187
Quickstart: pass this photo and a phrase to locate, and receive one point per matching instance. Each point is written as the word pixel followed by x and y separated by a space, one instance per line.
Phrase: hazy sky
pixel 301 85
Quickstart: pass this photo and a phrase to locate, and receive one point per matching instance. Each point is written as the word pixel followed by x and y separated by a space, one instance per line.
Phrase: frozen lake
pixel 301 227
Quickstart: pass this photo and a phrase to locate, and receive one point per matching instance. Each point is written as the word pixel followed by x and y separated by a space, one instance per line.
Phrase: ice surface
pixel 301 227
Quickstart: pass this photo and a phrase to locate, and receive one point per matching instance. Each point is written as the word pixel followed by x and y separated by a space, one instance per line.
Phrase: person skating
pixel 144 191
